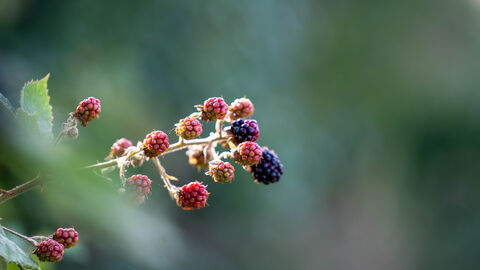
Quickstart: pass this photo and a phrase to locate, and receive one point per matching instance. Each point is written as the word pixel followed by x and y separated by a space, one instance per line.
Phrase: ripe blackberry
pixel 269 169
pixel 49 251
pixel 192 196
pixel 87 110
pixel 221 171
pixel 241 108
pixel 243 130
pixel 198 157
pixel 155 143
pixel 67 237
pixel 189 128
pixel 119 148
pixel 213 109
pixel 247 153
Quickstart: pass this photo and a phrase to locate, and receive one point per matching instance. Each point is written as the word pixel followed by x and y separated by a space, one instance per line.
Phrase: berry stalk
pixel 26 238
pixel 165 177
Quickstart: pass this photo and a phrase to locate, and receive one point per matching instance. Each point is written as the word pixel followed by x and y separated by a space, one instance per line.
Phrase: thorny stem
pixel 6 195
pixel 181 144
pixel 30 240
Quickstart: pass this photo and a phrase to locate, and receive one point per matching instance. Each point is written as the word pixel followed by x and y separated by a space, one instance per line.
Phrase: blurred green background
pixel 372 106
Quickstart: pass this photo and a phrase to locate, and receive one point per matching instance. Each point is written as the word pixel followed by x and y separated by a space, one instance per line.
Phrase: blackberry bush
pixel 239 139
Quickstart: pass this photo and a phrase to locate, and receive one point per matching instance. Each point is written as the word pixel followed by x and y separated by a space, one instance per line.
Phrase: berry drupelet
pixel 269 169
pixel 243 130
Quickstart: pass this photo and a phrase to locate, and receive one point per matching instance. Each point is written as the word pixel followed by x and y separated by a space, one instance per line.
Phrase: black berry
pixel 243 130
pixel 269 169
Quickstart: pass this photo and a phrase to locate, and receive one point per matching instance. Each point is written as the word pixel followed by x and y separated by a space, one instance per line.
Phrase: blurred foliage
pixel 373 107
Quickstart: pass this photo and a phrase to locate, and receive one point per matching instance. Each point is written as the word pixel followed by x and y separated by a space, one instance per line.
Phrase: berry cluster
pixel 247 153
pixel 189 128
pixel 87 110
pixel 192 196
pixel 67 237
pixel 243 130
pixel 213 109
pixel 221 171
pixel 240 137
pixel 52 248
pixel 269 169
pixel 141 185
pixel 241 108
pixel 120 147
pixel 155 143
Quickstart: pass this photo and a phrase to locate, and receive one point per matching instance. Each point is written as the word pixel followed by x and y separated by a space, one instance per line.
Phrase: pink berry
pixel 87 110
pixel 155 143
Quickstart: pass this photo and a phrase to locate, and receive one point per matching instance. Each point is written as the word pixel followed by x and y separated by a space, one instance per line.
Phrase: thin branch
pixel 181 144
pixel 14 192
pixel 30 240
pixel 165 177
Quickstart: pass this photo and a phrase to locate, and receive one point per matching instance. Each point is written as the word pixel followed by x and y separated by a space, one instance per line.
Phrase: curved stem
pixel 165 177
pixel 30 240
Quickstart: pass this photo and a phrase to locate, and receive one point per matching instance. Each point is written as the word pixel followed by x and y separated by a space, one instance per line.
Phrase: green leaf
pixel 7 105
pixel 16 253
pixel 28 121
pixel 35 99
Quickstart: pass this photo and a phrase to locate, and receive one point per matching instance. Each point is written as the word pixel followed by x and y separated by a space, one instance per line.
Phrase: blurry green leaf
pixel 35 99
pixel 6 104
pixel 11 252
pixel 28 121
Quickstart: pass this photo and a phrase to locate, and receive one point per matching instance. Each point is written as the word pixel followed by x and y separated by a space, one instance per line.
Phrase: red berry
pixel 155 143
pixel 67 237
pixel 241 108
pixel 213 109
pixel 247 153
pixel 189 128
pixel 88 110
pixel 221 171
pixel 49 251
pixel 192 196
pixel 119 148
pixel 141 185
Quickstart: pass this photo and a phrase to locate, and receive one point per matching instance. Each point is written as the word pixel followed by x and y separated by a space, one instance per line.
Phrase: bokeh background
pixel 372 106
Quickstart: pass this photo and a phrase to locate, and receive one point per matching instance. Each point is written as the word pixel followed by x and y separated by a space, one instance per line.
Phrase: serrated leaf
pixel 16 253
pixel 35 99
pixel 7 105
